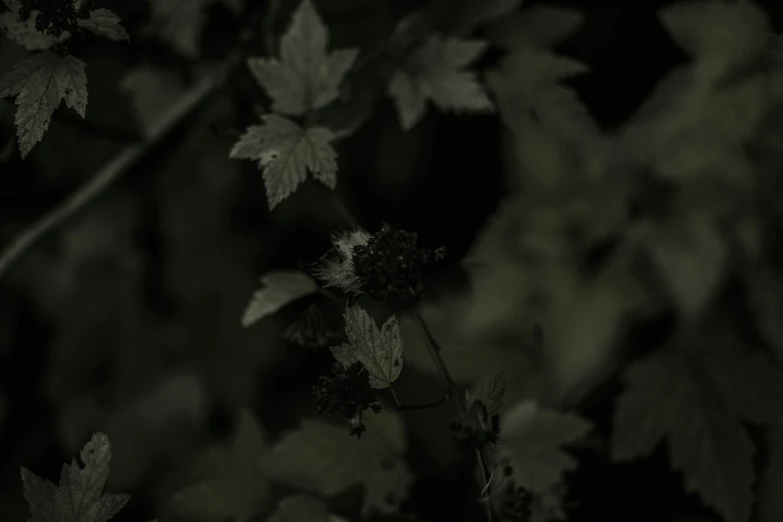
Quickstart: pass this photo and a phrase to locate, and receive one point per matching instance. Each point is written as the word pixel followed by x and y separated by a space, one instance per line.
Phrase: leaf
pixel 533 438
pixel 39 83
pixel 78 498
pixel 306 77
pixel 230 484
pixel 436 72
pixel 106 23
pixel 719 34
pixel 278 289
pixel 285 152
pixel 346 354
pixel 479 12
pixel 321 458
pixel 302 508
pixel 24 33
pixel 491 391
pixel 526 85
pixel 695 401
pixel 542 26
pixel 692 258
pixel 379 351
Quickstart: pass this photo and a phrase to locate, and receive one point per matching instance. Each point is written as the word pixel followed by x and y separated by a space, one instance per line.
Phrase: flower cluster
pixel 476 434
pixel 514 502
pixel 346 392
pixel 390 264
pixel 53 17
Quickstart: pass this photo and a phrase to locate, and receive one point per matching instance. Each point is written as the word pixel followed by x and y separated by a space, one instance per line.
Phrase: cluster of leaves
pixel 307 78
pixel 79 495
pixel 50 75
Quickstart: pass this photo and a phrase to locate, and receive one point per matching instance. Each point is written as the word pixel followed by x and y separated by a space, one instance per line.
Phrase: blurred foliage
pixel 613 239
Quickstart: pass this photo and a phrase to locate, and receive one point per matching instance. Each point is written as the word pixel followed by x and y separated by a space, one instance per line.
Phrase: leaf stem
pixel 394 396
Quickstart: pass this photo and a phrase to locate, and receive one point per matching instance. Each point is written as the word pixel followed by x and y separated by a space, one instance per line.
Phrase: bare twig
pixel 108 174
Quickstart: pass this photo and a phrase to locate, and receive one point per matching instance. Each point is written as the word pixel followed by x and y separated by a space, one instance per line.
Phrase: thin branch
pixel 108 174
pixel 394 396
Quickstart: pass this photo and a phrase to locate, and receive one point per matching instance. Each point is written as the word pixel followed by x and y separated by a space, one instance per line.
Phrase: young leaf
pixel 696 402
pixel 491 391
pixel 718 34
pixel 533 437
pixel 436 72
pixel 306 77
pixel 104 22
pixel 39 83
pixel 78 498
pixel 285 152
pixel 278 289
pixel 321 458
pixel 526 84
pixel 234 488
pixel 379 351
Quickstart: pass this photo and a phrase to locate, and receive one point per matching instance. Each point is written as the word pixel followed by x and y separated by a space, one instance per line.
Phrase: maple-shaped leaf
pixel 526 85
pixel 106 23
pixel 278 289
pixel 228 482
pixel 180 22
pixel 79 496
pixel 319 457
pixel 39 83
pixel 718 34
pixel 533 438
pixel 285 152
pixel 436 72
pixel 491 391
pixel 379 350
pixel 336 268
pixel 24 33
pixel 695 399
pixel 306 77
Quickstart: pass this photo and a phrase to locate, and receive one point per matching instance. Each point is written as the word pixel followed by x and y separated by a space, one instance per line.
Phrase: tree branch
pixel 108 174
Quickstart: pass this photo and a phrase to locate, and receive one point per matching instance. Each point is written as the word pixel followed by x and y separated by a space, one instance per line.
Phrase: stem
pixel 394 396
pixel 107 175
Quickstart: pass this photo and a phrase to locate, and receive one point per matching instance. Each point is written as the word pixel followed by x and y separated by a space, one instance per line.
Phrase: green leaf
pixel 534 437
pixel 302 508
pixel 379 351
pixel 479 12
pixel 306 77
pixel 321 458
pixel 346 354
pixel 285 152
pixel 491 391
pixel 692 258
pixel 106 23
pixel 542 26
pixel 695 400
pixel 39 83
pixel 78 498
pixel 230 483
pixel 24 33
pixel 526 85
pixel 436 72
pixel 278 289
pixel 719 34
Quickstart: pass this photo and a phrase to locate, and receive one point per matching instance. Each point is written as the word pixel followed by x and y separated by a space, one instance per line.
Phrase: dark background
pixel 147 284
